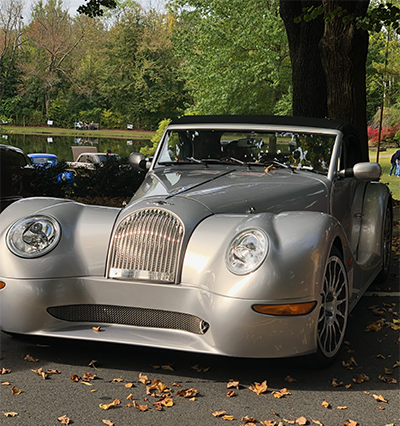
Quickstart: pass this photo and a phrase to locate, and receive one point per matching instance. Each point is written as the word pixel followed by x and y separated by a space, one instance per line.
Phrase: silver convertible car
pixel 250 236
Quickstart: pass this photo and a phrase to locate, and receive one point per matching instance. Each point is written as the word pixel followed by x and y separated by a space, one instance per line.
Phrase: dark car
pixel 16 175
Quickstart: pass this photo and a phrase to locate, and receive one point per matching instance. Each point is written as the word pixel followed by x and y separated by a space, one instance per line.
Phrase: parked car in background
pixel 251 236
pixel 89 160
pixel 50 160
pixel 43 159
pixel 16 175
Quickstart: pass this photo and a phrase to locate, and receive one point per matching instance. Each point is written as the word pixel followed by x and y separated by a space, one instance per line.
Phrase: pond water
pixel 61 145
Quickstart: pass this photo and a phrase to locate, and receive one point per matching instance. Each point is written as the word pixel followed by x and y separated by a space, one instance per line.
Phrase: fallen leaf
pixel 379 398
pixel 326 404
pixel 388 371
pixel 96 329
pixel 130 396
pixel 92 362
pixel 129 385
pixel 230 394
pixel 16 391
pixel 232 384
pixel 342 407
pixel 335 383
pixel 361 378
pixel 279 394
pixel 75 378
pixel 247 419
pixel 290 379
pixel 350 423
pixel 5 371
pixel 64 420
pixel 350 363
pixel 88 376
pixel 381 408
pixel 6 383
pixel 167 367
pixel 176 384
pixel 380 356
pixel 30 359
pixel 111 405
pixel 157 385
pixel 166 401
pixel 301 421
pixel 187 393
pixel 268 423
pixel 10 414
pixel 143 379
pixel 387 379
pixel 93 390
pixel 200 369
pixel 219 413
pixel 51 371
pixel 396 364
pixel 317 422
pixel 259 388
pixel 108 422
pixel 228 417
pixel 141 407
pixel 40 372
pixel 117 380
pixel 348 386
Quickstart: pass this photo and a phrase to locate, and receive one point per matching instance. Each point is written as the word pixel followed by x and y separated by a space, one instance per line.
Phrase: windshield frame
pixel 333 164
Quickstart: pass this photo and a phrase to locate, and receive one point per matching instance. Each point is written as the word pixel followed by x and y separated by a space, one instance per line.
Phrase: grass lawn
pixel 57 131
pixel 384 160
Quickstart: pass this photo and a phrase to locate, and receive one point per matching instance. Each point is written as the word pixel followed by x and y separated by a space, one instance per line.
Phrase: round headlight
pixel 33 236
pixel 247 251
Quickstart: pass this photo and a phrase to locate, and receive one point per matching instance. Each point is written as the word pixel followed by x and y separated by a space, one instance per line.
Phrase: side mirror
pixel 363 171
pixel 138 161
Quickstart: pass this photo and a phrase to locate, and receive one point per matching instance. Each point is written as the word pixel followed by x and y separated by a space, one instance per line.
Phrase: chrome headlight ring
pixel 33 236
pixel 247 251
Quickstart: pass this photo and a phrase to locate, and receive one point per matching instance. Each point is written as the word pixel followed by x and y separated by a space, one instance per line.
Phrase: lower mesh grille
pixel 139 317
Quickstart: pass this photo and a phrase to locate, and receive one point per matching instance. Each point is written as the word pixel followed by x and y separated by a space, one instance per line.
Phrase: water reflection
pixel 61 145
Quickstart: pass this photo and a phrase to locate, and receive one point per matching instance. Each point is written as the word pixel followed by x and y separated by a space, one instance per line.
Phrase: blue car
pixel 43 160
pixel 49 160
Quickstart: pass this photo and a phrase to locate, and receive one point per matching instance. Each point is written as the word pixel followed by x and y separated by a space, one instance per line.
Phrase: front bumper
pixel 234 329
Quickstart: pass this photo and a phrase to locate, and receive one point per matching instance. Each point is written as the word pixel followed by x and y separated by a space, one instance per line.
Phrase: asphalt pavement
pixel 86 383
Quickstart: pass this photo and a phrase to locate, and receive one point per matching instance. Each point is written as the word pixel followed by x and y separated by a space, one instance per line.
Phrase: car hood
pixel 238 191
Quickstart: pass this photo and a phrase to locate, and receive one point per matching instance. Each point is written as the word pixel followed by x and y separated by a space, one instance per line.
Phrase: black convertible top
pixel 345 127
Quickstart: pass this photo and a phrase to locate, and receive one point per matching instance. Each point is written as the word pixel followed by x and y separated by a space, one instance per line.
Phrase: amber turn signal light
pixel 2 284
pixel 290 309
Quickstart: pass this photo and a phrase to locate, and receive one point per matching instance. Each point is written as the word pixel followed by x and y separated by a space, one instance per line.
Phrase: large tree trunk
pixel 344 51
pixel 328 63
pixel 308 77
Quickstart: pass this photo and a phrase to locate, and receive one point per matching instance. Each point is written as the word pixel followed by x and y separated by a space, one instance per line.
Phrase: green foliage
pixel 149 151
pixel 379 15
pixel 95 8
pixel 45 181
pixel 112 179
pixel 234 54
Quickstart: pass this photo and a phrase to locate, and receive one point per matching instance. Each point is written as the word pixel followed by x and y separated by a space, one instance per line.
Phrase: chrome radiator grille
pixel 146 245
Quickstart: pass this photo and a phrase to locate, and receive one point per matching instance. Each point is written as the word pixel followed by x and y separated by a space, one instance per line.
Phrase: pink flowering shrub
pixel 388 133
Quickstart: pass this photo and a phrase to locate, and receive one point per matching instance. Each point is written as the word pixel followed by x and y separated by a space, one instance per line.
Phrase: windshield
pixel 44 160
pixel 303 150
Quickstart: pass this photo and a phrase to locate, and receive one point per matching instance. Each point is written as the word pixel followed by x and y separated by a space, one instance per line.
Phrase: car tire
pixel 386 246
pixel 333 313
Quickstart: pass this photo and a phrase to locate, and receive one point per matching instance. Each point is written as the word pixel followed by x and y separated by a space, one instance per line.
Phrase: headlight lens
pixel 247 251
pixel 33 236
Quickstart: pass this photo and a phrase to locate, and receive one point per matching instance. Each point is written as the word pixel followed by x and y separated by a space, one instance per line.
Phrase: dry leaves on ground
pixel 259 388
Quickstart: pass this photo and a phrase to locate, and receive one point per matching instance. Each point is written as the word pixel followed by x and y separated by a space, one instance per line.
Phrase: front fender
pixel 82 250
pixel 299 244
